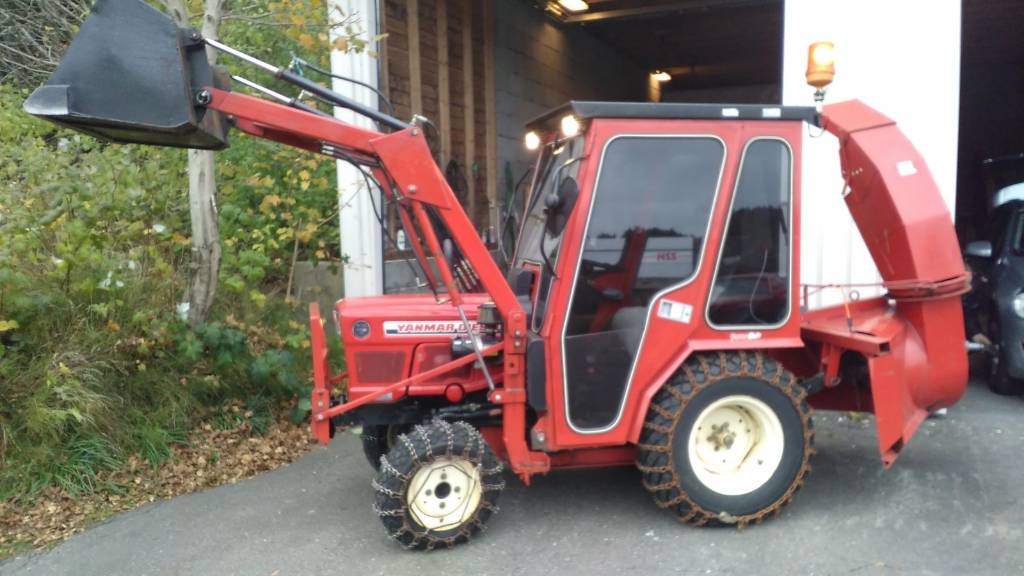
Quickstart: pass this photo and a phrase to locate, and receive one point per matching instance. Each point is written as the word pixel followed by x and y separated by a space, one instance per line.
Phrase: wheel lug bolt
pixel 429 493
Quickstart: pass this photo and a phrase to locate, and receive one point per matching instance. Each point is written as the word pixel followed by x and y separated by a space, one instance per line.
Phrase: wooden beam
pixel 443 83
pixel 490 102
pixel 468 104
pixel 412 18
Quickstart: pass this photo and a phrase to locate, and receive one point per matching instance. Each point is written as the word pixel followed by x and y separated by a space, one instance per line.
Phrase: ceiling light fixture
pixel 574 5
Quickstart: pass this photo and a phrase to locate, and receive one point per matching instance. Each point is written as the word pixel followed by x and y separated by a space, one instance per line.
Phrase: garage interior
pixel 991 114
pixel 480 70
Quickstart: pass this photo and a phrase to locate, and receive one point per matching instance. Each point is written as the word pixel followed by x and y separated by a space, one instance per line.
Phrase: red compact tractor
pixel 651 314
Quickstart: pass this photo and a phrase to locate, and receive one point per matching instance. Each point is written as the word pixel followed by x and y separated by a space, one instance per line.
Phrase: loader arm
pixel 913 338
pixel 411 179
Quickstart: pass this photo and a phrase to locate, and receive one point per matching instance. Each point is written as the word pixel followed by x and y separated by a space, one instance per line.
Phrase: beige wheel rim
pixel 445 493
pixel 736 445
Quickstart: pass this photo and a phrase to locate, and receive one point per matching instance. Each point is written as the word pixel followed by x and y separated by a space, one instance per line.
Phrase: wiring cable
pixel 297 64
pixel 371 183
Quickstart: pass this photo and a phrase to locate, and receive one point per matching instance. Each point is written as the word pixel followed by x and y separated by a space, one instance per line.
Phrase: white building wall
pixel 901 57
pixel 360 231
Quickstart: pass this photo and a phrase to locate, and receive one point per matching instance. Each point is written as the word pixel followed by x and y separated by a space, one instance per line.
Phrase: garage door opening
pixel 729 52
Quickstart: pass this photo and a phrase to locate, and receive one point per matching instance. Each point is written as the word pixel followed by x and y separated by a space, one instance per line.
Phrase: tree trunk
pixel 205 265
pixel 202 188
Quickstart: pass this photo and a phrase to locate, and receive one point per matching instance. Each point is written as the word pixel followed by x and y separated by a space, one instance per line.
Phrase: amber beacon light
pixel 821 67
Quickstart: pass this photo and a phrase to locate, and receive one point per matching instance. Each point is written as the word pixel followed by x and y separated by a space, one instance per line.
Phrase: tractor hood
pixel 131 75
pixel 403 316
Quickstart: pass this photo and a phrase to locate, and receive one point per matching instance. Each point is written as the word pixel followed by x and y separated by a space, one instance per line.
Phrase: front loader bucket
pixel 131 75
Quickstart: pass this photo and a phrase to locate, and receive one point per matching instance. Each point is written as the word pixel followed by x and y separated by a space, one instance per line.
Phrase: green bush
pixel 95 363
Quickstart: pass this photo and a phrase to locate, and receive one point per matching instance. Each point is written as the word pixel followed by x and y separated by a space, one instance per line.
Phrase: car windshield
pixel 557 163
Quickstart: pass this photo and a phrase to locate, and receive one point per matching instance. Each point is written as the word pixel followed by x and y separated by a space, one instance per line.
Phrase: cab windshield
pixel 558 162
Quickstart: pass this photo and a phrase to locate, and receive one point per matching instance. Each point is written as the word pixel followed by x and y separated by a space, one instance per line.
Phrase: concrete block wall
pixel 541 65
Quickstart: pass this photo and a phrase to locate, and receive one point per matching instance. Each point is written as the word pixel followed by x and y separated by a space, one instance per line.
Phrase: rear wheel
pixel 728 440
pixel 438 486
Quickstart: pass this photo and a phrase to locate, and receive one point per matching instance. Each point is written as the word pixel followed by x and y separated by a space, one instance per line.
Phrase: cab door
pixel 640 233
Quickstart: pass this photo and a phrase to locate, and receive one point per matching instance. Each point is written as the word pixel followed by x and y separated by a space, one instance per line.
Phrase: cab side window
pixel 752 281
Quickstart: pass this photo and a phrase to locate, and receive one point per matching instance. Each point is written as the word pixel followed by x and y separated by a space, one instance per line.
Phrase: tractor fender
pixel 698 346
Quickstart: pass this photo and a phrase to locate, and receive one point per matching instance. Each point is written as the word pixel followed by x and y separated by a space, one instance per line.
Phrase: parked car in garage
pixel 998 298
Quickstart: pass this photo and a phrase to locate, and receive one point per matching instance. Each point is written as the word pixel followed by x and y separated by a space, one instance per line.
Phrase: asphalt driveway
pixel 953 504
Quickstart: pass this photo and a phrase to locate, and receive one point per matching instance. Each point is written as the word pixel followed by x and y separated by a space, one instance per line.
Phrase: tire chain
pixel 654 454
pixel 420 446
pixel 372 445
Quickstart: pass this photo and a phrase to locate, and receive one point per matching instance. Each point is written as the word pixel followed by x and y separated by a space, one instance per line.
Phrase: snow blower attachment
pixel 652 312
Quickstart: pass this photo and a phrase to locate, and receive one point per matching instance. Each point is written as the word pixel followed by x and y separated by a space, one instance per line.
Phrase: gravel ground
pixel 953 504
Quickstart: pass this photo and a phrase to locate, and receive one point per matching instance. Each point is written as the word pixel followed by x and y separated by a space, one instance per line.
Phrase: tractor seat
pixel 629 323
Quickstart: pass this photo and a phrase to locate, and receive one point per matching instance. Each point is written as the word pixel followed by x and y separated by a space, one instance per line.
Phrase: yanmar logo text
pixel 424 328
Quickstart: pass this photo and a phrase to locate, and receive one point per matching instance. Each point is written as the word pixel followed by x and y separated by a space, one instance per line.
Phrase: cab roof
pixel 584 109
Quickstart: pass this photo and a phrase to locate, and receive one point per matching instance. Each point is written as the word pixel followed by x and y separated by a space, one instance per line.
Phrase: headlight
pixel 361 329
pixel 1018 305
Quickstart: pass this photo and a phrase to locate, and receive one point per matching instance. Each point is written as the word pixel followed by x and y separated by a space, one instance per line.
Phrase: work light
pixel 570 126
pixel 532 140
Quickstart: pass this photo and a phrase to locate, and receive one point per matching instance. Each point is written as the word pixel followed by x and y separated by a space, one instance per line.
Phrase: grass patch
pixel 14 548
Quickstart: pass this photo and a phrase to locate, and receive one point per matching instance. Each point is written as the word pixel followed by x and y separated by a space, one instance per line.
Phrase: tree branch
pixel 178 12
pixel 37 31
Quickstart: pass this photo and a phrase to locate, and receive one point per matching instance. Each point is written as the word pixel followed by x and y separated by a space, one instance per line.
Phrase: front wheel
pixel 728 440
pixel 999 380
pixel 438 486
pixel 378 439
